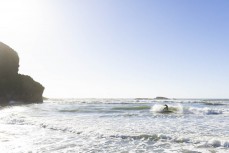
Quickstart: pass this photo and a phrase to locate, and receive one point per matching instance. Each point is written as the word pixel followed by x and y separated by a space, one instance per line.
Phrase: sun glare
pixel 17 18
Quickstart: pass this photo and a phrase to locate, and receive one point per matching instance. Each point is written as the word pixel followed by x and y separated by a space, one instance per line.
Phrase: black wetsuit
pixel 166 108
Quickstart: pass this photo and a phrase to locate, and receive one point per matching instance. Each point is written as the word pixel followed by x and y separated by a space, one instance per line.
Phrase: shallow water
pixel 116 125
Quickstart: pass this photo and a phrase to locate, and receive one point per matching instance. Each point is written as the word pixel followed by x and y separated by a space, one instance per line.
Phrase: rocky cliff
pixel 14 86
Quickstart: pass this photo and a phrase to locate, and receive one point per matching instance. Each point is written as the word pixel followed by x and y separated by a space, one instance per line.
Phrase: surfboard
pixel 167 111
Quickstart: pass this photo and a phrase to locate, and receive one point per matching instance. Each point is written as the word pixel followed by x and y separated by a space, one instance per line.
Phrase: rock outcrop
pixel 14 86
pixel 161 98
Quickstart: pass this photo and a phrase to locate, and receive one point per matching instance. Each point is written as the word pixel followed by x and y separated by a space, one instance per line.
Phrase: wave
pixel 204 111
pixel 211 142
pixel 69 111
pixel 70 128
pixel 117 101
pixel 178 108
pixel 158 108
pixel 213 103
pixel 19 121
pixel 132 108
pixel 217 143
pixel 59 128
pixel 96 101
pixel 87 110
pixel 154 137
pixel 162 137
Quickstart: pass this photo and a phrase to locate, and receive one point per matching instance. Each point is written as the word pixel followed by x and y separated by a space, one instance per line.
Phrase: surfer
pixel 166 108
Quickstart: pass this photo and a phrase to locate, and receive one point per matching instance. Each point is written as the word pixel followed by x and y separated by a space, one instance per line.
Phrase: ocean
pixel 116 125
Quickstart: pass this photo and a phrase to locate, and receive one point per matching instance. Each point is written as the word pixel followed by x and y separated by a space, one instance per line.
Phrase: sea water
pixel 116 125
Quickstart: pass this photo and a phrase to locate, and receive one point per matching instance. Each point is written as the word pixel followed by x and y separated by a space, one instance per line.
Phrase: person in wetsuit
pixel 166 108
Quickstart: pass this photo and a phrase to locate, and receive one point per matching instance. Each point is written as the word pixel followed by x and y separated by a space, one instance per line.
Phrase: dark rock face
pixel 9 61
pixel 14 86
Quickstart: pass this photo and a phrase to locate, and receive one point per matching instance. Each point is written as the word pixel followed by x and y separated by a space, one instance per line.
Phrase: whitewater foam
pixel 175 108
pixel 203 111
pixel 119 127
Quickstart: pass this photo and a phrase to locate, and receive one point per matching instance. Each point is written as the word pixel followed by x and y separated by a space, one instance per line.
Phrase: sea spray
pixel 174 108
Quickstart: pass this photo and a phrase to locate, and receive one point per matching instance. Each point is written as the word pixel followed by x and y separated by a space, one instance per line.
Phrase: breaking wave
pixel 204 111
pixel 178 108
pixel 158 108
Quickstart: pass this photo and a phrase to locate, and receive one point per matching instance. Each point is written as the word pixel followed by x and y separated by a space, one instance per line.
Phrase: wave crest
pixel 158 108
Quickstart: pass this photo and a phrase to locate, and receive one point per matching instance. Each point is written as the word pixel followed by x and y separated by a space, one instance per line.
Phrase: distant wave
pixel 88 110
pixel 214 103
pixel 69 110
pixel 117 101
pixel 132 108
pixel 96 101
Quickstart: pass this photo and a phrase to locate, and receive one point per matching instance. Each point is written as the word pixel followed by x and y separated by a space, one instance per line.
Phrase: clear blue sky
pixel 121 48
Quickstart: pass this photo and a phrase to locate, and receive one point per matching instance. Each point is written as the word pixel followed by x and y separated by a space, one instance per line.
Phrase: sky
pixel 121 48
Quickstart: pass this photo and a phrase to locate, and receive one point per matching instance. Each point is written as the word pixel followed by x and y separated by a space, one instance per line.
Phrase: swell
pixel 132 108
pixel 70 111
pixel 214 103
